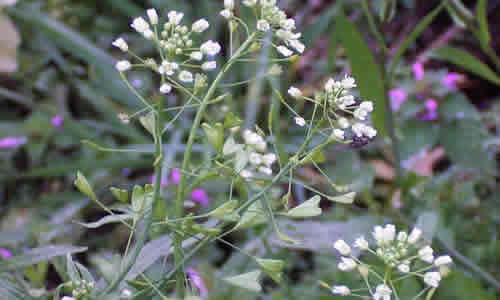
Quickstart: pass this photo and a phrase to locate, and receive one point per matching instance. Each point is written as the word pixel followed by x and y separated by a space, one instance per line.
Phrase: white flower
pixel 250 3
pixel 288 24
pixel 361 129
pixel 370 132
pixel 168 68
pixel 175 17
pixel 339 134
pixel 382 292
pixel 404 268
pixel 123 65
pixel 367 106
pixel 361 243
pixel 140 25
pixel 343 123
pixel 342 247
pixel 432 279
pixel 197 55
pixel 266 171
pixel 148 33
pixel 68 298
pixel 126 293
pixel 255 158
pixel 269 159
pixel 165 88
pixel 294 92
pixel 360 114
pixel 443 260
pixel 209 65
pixel 246 174
pixel 341 290
pixel 297 45
pixel 284 51
pixel 251 138
pixel 384 235
pixel 229 4
pixel 347 264
pixel 120 43
pixel 414 235
pixel 200 25
pixel 426 254
pixel 153 16
pixel 261 145
pixel 263 25
pixel 226 13
pixel 210 48
pixel 300 121
pixel 287 35
pixel 402 236
pixel 186 76
pixel 348 82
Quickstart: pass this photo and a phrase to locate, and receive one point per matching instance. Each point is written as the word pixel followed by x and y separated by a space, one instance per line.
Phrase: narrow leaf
pixel 108 220
pixel 465 60
pixel 38 255
pixel 364 69
pixel 482 18
pixel 346 198
pixel 248 281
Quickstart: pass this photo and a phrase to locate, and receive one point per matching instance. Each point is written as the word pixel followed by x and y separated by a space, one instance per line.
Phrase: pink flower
pixel 5 254
pixel 200 196
pixel 57 121
pixel 431 106
pixel 175 175
pixel 195 278
pixel 418 70
pixel 398 97
pixel 12 142
pixel 164 181
pixel 451 79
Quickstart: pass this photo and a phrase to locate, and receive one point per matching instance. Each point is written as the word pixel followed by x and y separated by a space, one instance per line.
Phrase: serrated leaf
pixel 346 198
pixel 272 267
pixel 365 69
pixel 248 281
pixel 309 208
pixel 468 62
pixel 108 220
pixel 38 255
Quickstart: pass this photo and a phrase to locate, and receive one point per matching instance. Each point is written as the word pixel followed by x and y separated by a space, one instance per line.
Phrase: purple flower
pixel 12 142
pixel 398 97
pixel 164 181
pixel 57 121
pixel 451 79
pixel 418 70
pixel 195 278
pixel 5 254
pixel 200 196
pixel 431 106
pixel 175 175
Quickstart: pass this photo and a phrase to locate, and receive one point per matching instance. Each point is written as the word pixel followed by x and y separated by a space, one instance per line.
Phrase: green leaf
pixel 225 209
pixel 248 281
pixel 148 122
pixel 138 195
pixel 468 62
pixel 108 79
pixel 37 255
pixel 272 267
pixel 120 195
pixel 458 107
pixel 346 198
pixel 83 186
pixel 254 215
pixel 482 18
pixel 416 136
pixel 108 220
pixel 464 144
pixel 365 69
pixel 215 135
pixel 459 287
pixel 309 208
pixel 71 268
pixel 414 35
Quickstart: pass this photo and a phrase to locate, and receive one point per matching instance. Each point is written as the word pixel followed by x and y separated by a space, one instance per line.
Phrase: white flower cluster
pixel 81 288
pixel 259 160
pixel 272 18
pixel 398 250
pixel 336 97
pixel 175 42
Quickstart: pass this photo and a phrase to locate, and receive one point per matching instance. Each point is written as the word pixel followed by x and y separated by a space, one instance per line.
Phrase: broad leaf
pixel 310 208
pixel 248 281
pixel 346 198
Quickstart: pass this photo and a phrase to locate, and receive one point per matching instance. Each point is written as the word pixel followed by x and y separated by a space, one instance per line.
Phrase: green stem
pixel 373 26
pixel 179 202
